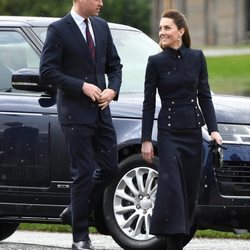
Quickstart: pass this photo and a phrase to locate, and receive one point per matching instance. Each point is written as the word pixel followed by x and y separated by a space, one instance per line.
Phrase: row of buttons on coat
pixel 173 103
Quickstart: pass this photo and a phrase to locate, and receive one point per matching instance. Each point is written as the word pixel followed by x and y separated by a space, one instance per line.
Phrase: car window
pixel 134 48
pixel 15 53
pixel 41 32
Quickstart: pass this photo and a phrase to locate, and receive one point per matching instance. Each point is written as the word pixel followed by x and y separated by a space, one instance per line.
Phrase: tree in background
pixel 35 8
pixel 135 13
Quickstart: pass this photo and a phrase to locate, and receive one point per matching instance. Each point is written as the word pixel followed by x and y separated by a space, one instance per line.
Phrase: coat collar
pixel 176 53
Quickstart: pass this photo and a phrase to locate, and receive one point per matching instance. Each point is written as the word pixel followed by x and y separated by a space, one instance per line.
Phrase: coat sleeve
pixel 51 65
pixel 149 100
pixel 113 66
pixel 205 98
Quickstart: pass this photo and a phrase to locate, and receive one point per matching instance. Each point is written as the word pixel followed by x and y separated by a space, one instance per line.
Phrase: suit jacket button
pixel 169 125
pixel 169 117
pixel 169 109
pixel 192 100
pixel 173 102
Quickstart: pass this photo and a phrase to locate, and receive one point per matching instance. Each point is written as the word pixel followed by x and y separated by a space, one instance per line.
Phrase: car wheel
pixel 7 229
pixel 128 205
pixel 129 202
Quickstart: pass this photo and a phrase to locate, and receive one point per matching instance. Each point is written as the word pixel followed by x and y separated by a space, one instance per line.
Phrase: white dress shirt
pixel 81 24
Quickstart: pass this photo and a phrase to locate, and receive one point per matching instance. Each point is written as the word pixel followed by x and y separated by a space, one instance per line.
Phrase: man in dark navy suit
pixel 77 54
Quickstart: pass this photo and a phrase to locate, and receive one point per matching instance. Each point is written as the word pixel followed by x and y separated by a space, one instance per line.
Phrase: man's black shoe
pixel 66 216
pixel 82 245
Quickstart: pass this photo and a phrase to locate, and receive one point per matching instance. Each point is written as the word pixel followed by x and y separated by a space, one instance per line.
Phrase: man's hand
pixel 92 91
pixel 106 97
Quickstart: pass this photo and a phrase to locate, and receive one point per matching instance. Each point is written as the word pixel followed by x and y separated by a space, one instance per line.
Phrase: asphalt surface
pixel 24 240
pixel 226 52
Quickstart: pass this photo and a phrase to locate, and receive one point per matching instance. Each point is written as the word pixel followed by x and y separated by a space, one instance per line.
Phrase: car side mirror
pixel 29 80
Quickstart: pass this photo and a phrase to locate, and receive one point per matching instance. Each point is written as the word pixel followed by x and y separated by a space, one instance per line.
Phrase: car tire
pixel 7 229
pixel 128 204
pixel 124 201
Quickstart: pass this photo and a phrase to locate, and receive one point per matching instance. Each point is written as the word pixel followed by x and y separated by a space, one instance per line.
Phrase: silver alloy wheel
pixel 133 202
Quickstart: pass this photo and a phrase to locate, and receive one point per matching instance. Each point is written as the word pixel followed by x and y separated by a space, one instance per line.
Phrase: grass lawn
pixel 229 74
pixel 67 229
pixel 218 234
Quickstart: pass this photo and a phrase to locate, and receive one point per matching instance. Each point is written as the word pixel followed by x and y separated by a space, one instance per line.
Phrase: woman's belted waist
pixel 180 114
pixel 179 102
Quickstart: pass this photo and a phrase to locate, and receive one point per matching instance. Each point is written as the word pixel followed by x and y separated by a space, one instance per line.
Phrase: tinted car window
pixel 15 53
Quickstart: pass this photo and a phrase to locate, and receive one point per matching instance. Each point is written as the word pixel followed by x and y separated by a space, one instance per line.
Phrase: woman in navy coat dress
pixel 179 74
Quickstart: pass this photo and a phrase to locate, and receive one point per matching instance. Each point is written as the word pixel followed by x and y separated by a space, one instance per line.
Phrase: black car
pixel 34 172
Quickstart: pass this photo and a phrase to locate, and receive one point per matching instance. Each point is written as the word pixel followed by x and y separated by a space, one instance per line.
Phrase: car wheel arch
pixel 122 237
pixel 7 229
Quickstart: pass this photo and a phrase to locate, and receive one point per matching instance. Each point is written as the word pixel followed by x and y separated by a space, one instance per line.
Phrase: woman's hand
pixel 216 136
pixel 147 151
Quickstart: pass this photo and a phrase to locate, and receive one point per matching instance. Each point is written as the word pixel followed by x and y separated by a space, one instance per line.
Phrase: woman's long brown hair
pixel 180 21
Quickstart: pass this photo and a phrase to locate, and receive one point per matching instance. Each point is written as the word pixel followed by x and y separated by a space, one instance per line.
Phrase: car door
pixel 25 164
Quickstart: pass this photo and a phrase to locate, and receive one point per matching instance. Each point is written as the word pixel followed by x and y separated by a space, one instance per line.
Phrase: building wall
pixel 196 20
pixel 211 22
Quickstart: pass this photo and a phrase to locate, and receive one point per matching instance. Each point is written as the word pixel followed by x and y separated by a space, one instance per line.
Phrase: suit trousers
pixel 94 163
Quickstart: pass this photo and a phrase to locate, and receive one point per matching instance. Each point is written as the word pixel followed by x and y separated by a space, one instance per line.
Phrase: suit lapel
pixel 77 33
pixel 97 33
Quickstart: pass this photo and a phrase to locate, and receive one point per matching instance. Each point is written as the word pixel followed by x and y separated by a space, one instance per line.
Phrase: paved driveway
pixel 226 52
pixel 23 240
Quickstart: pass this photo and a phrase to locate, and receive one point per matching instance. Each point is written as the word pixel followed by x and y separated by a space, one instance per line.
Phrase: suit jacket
pixel 182 82
pixel 66 63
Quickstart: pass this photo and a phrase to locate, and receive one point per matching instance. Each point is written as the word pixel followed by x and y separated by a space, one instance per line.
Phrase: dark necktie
pixel 90 41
